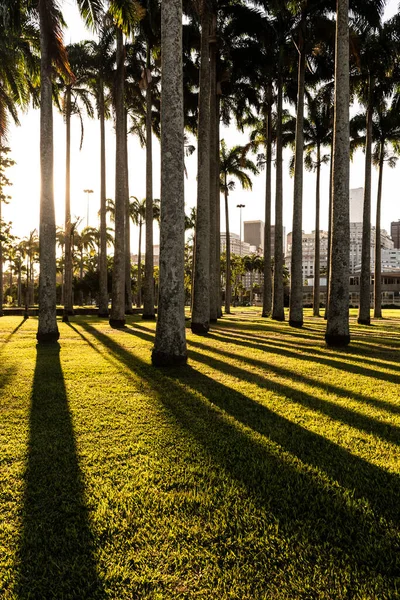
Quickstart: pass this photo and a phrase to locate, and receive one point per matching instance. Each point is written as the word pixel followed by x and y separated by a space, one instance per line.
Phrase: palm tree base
pixel 278 317
pixel 337 341
pixel 104 314
pixel 298 324
pixel 364 321
pixel 200 328
pixel 164 359
pixel 51 337
pixel 65 317
pixel 148 317
pixel 117 323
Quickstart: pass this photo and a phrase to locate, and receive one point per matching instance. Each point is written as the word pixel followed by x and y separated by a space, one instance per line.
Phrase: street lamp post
pixel 87 192
pixel 240 206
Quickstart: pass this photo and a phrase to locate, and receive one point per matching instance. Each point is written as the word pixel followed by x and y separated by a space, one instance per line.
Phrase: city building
pixel 356 205
pixel 395 233
pixel 235 244
pixel 308 244
pixel 253 233
pixel 356 245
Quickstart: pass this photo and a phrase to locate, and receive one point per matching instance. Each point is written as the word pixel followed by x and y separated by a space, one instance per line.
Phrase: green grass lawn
pixel 268 468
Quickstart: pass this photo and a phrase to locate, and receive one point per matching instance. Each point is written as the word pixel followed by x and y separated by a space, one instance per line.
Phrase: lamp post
pixel 240 206
pixel 87 192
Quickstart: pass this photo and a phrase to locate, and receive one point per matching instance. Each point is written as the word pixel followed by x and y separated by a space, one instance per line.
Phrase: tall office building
pixel 356 205
pixel 395 233
pixel 253 233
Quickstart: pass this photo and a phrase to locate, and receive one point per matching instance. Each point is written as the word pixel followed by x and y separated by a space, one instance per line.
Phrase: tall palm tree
pixel 232 164
pixel 76 98
pixel 337 330
pixel 52 52
pixel 101 62
pixel 170 340
pixel 317 134
pixel 201 285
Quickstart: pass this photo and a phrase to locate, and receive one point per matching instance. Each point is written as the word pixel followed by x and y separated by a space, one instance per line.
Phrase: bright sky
pixel 23 210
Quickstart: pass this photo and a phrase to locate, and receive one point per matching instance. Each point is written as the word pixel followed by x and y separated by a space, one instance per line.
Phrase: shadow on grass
pixel 13 332
pixel 326 500
pixel 56 548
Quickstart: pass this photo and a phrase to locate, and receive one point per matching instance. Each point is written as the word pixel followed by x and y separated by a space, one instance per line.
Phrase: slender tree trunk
pixel 296 275
pixel 328 258
pixel 148 288
pixel 170 340
pixel 103 296
pixel 278 312
pixel 218 213
pixel 117 316
pixel 139 276
pixel 128 278
pixel 228 284
pixel 47 327
pixel 1 250
pixel 364 310
pixel 214 195
pixel 317 252
pixel 267 288
pixel 19 287
pixel 201 299
pixel 68 308
pixel 337 331
pixel 378 250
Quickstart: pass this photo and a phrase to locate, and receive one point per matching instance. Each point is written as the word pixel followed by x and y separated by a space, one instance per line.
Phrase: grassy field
pixel 268 468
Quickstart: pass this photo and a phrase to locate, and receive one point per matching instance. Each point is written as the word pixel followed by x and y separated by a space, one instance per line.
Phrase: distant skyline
pixel 23 210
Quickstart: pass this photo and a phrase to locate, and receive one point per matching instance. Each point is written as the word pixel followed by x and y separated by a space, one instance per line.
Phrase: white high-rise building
pixel 356 205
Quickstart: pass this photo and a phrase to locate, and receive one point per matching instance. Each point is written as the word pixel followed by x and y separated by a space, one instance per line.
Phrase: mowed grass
pixel 267 468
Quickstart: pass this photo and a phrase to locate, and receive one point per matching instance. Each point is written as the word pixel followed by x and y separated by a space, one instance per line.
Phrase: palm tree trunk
pixel 201 298
pixel 19 286
pixel 228 284
pixel 317 253
pixel 214 195
pixel 170 340
pixel 267 288
pixel 364 311
pixel 103 295
pixel 337 330
pixel 139 275
pixel 47 326
pixel 68 308
pixel 117 316
pixel 296 275
pixel 278 312
pixel 328 261
pixel 218 211
pixel 1 250
pixel 128 282
pixel 378 250
pixel 148 288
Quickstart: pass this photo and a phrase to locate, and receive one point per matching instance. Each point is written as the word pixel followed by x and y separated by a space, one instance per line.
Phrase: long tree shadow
pixel 334 502
pixel 10 335
pixel 56 553
pixel 342 413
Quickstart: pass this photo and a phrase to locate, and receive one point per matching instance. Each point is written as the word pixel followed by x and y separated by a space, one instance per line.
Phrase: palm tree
pixel 201 285
pixel 317 134
pixel 75 99
pixel 52 52
pixel 101 54
pixel 233 163
pixel 170 340
pixel 337 330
